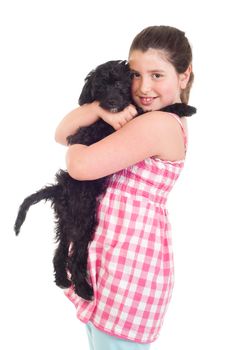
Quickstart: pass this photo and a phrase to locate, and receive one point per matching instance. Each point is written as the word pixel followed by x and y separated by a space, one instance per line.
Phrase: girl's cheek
pixel 134 86
pixel 133 89
pixel 168 90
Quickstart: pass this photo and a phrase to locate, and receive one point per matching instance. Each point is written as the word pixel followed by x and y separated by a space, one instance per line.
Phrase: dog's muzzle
pixel 114 110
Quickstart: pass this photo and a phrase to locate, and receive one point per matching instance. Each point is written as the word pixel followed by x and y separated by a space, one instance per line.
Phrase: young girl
pixel 130 261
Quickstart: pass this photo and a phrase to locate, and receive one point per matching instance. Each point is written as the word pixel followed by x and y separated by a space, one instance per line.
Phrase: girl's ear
pixel 184 77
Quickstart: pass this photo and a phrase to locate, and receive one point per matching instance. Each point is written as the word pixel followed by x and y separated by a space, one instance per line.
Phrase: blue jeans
pixel 99 340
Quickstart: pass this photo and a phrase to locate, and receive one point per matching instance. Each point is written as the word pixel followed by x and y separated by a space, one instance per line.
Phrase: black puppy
pixel 75 202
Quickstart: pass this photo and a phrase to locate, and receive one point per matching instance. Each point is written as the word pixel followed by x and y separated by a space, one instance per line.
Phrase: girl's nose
pixel 145 86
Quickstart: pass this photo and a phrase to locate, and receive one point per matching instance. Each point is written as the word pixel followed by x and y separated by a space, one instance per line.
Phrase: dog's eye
pixel 117 84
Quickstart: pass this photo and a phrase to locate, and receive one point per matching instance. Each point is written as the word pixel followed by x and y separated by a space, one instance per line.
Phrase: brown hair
pixel 175 45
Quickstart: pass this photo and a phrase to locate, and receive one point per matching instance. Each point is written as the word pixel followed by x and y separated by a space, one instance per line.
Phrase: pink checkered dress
pixel 130 258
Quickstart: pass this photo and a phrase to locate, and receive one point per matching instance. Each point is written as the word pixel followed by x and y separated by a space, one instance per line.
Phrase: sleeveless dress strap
pixel 182 128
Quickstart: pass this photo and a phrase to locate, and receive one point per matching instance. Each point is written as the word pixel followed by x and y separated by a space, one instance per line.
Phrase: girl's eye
pixel 156 76
pixel 135 75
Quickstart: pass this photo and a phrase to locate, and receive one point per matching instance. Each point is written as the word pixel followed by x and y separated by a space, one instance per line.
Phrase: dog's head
pixel 110 84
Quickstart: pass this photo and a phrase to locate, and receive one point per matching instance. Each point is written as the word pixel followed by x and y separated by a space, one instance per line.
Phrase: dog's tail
pixel 46 193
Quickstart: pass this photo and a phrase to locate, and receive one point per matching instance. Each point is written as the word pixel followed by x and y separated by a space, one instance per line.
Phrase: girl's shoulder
pixel 174 134
pixel 165 121
pixel 168 132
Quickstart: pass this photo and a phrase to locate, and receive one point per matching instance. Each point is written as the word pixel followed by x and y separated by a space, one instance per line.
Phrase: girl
pixel 130 261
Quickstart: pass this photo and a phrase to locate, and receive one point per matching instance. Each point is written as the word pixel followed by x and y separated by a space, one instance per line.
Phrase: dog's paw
pixel 62 282
pixel 84 291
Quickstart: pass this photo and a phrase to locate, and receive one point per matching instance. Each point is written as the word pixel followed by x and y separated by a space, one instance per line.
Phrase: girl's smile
pixel 146 101
pixel 155 82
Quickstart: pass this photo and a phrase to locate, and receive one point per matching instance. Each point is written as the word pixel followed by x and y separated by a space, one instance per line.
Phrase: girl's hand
pixel 118 119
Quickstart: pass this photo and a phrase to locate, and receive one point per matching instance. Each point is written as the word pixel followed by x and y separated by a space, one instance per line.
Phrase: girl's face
pixel 155 82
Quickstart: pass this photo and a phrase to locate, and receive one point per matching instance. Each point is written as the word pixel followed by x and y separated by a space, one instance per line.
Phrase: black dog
pixel 75 202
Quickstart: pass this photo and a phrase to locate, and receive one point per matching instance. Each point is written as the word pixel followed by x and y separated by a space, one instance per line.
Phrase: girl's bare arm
pixel 88 114
pixel 142 137
pixel 84 115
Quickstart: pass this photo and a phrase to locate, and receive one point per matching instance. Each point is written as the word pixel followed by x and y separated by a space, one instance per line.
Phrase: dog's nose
pixel 112 102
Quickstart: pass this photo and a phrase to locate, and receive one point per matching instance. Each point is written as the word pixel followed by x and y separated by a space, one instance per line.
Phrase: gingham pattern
pixel 130 259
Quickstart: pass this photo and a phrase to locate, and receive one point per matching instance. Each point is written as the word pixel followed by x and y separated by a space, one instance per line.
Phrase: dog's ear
pixel 87 93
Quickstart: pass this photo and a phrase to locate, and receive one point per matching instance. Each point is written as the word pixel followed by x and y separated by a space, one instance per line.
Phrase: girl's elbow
pixel 78 170
pixel 81 172
pixel 75 171
pixel 59 138
pixel 77 166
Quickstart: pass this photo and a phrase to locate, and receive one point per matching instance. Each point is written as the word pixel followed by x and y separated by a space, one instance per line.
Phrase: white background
pixel 47 48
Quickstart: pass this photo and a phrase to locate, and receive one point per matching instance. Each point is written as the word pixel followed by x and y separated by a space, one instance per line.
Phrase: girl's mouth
pixel 146 101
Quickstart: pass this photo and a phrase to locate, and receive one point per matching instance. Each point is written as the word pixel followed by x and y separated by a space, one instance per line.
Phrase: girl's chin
pixel 149 109
pixel 155 106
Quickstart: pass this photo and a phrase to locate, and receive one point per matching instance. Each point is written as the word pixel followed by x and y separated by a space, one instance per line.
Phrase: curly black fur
pixel 75 202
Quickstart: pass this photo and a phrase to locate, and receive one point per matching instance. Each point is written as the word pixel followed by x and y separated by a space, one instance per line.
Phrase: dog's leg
pixel 62 229
pixel 60 265
pixel 78 268
pixel 84 214
pixel 61 257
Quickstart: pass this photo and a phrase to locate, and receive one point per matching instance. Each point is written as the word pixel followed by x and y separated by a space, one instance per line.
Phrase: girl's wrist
pixel 90 114
pixel 97 110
